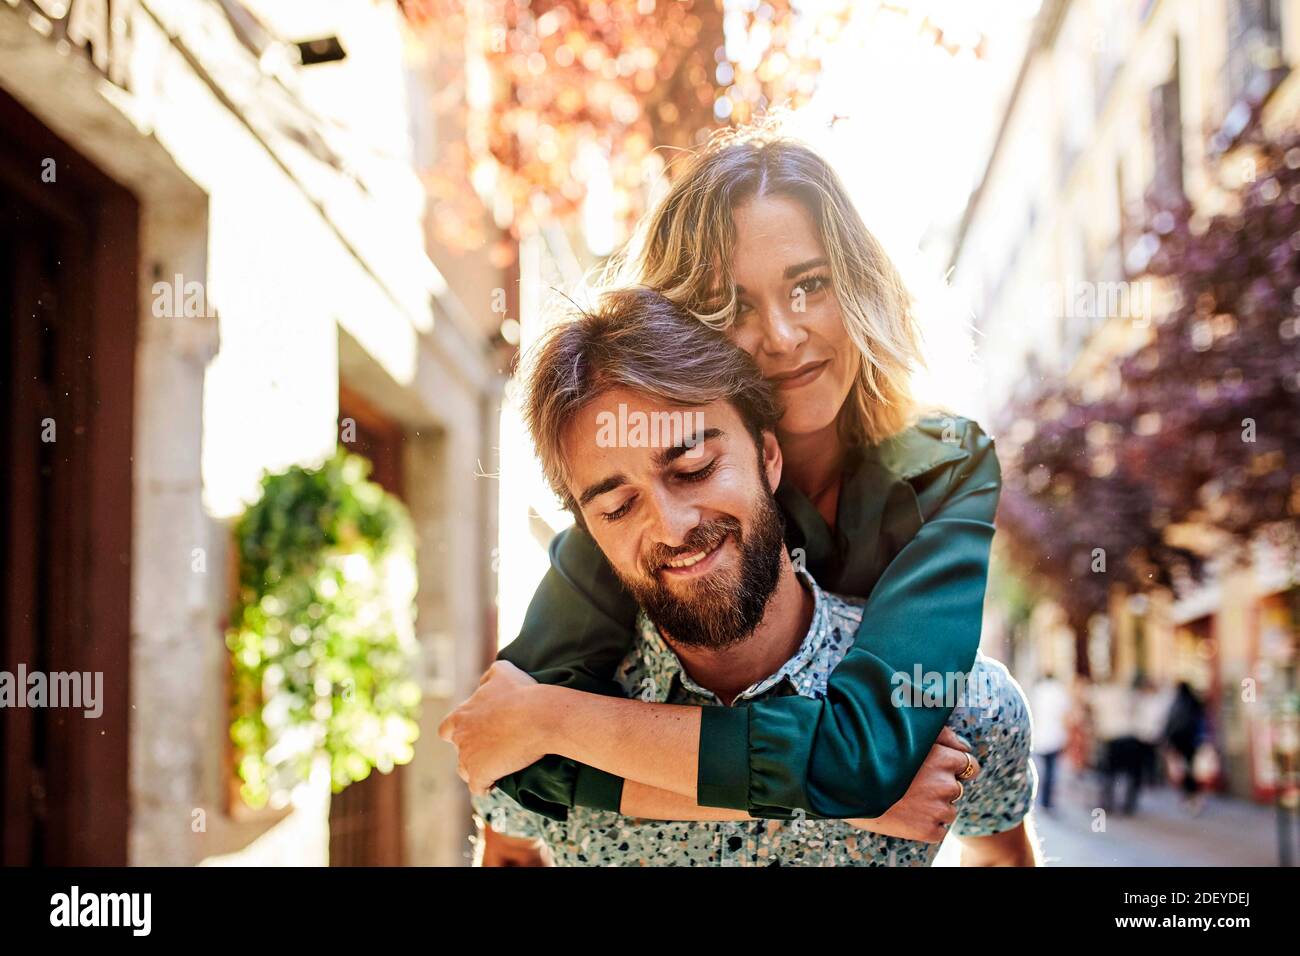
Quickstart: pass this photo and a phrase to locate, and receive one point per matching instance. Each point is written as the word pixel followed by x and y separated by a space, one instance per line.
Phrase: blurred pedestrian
pixel 1114 709
pixel 1078 727
pixel 1184 732
pixel 1049 707
pixel 1150 710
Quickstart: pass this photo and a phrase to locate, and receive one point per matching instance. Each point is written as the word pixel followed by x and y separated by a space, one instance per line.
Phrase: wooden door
pixel 68 306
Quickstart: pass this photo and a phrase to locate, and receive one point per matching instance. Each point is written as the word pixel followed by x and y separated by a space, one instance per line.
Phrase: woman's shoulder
pixel 937 440
pixel 578 562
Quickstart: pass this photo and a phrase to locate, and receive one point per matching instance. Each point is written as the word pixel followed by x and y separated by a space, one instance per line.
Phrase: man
pixel 692 529
pixel 1114 710
pixel 1051 710
pixel 1149 726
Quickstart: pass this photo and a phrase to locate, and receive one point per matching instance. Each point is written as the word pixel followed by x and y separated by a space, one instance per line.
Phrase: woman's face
pixel 788 316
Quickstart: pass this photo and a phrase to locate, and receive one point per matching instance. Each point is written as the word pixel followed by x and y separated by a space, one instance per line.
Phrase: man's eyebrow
pixel 688 442
pixel 600 487
pixel 793 270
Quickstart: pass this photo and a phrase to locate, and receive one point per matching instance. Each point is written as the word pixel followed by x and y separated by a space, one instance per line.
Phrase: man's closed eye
pixel 699 474
pixel 619 511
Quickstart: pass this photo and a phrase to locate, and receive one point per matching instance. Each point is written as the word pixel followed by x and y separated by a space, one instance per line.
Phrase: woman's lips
pixel 799 377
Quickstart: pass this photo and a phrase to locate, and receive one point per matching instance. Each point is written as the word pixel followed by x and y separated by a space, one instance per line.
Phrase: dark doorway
pixel 366 817
pixel 68 301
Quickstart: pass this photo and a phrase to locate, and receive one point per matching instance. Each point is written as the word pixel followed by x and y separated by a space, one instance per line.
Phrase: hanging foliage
pixel 322 638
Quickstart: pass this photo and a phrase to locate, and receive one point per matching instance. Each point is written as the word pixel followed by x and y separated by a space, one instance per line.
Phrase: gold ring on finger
pixel 969 770
pixel 961 792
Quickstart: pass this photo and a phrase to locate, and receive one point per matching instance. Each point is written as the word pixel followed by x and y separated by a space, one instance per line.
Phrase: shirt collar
pixel 877 502
pixel 663 666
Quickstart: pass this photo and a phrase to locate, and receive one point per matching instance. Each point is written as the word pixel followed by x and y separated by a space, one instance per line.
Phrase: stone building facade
pixel 240 184
pixel 1116 101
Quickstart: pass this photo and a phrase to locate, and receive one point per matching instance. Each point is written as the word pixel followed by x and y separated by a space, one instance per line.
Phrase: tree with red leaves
pixel 629 82
pixel 1203 428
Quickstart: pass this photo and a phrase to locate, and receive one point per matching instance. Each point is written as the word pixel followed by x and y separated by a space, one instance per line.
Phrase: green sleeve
pixel 578 627
pixel 853 753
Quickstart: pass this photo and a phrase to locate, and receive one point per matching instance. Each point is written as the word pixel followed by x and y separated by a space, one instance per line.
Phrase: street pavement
pixel 1228 832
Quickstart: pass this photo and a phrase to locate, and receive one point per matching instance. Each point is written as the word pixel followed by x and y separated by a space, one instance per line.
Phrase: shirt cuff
pixel 597 789
pixel 545 787
pixel 723 775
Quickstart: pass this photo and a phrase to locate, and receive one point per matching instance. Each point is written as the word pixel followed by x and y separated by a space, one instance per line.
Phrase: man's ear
pixel 771 458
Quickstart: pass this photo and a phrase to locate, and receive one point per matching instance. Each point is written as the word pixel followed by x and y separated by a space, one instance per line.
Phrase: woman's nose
pixel 782 331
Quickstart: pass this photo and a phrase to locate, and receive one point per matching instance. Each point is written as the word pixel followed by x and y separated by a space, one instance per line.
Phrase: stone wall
pixel 294 257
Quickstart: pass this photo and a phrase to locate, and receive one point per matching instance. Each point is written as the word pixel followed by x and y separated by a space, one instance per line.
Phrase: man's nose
pixel 674 519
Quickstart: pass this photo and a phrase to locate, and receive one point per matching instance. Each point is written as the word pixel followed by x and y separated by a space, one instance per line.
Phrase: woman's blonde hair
pixel 685 245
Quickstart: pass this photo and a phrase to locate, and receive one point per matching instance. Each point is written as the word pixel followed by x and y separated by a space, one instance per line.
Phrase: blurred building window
pixel 1167 137
pixel 1124 235
pixel 1074 60
pixel 1110 36
pixel 1254 49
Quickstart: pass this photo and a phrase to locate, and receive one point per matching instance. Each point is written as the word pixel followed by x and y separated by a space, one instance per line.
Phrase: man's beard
pixel 717 610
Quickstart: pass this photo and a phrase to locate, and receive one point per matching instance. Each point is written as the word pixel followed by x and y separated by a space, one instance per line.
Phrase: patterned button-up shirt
pixel 991 715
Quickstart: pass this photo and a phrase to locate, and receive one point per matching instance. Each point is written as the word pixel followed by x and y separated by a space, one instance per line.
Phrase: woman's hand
pixel 498 729
pixel 929 806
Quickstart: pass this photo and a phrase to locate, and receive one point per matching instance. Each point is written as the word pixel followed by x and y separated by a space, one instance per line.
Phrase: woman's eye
pixel 700 473
pixel 810 285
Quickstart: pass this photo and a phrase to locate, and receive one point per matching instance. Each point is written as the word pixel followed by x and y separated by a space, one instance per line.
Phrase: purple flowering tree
pixel 1203 426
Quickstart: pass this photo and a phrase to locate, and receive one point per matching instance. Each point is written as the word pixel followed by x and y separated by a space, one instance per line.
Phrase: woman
pixel 1184 732
pixel 758 237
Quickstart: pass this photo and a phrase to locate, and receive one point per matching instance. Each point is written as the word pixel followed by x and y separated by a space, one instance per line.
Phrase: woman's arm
pixel 924 813
pixel 578 627
pixel 852 754
pixel 511 719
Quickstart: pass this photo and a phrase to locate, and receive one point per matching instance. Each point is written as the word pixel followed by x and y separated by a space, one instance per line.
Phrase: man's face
pixel 679 500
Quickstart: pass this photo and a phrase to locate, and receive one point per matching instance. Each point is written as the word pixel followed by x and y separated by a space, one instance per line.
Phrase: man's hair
pixel 640 340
